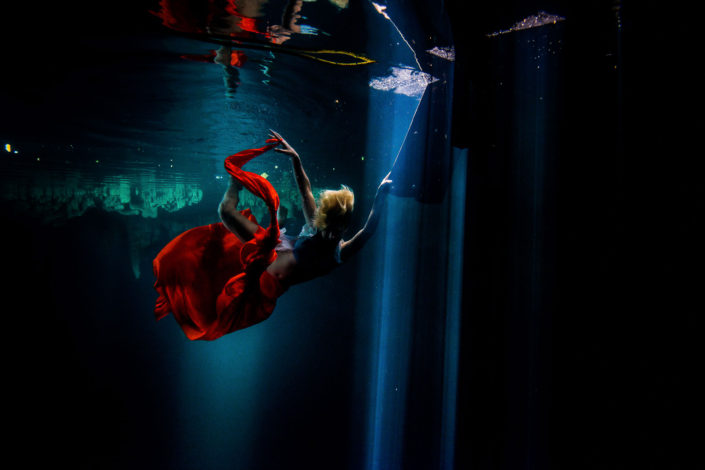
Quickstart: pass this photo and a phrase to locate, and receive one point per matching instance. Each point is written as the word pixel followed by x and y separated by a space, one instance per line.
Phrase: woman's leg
pixel 237 223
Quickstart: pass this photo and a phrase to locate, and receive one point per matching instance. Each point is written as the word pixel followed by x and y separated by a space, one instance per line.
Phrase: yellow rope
pixel 310 54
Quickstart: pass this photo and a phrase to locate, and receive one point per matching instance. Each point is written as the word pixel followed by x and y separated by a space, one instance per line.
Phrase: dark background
pixel 610 380
pixel 600 373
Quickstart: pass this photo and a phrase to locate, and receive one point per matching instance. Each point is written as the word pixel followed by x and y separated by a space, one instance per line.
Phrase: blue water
pixel 114 145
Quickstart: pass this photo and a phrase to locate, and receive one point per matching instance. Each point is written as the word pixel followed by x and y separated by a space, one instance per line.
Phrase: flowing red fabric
pixel 202 17
pixel 212 282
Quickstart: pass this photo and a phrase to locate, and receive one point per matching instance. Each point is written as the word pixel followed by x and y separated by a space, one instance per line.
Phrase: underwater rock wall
pixel 57 198
pixel 53 198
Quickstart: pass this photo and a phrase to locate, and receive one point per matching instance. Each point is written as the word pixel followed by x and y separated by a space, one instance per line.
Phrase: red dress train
pixel 209 280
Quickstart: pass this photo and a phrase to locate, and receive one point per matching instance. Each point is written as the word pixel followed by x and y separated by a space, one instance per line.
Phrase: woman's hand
pixel 385 185
pixel 288 149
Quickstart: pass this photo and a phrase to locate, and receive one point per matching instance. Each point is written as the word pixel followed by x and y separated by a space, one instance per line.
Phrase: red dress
pixel 209 280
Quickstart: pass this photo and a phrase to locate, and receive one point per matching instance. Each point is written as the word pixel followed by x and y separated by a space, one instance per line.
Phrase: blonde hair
pixel 334 208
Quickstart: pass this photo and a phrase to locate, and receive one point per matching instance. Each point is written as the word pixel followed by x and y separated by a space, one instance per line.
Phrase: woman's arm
pixel 352 246
pixel 308 203
pixel 241 226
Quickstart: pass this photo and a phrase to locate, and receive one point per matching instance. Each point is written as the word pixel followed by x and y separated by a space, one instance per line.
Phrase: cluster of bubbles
pixel 534 21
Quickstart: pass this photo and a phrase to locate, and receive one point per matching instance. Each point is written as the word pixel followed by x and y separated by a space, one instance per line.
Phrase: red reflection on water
pixel 243 24
pixel 237 19
pixel 240 19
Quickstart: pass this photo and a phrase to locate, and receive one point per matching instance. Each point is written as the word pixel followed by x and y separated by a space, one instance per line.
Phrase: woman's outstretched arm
pixel 352 246
pixel 308 203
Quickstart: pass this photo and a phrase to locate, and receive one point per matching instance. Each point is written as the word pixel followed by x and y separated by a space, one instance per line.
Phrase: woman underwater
pixel 226 276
